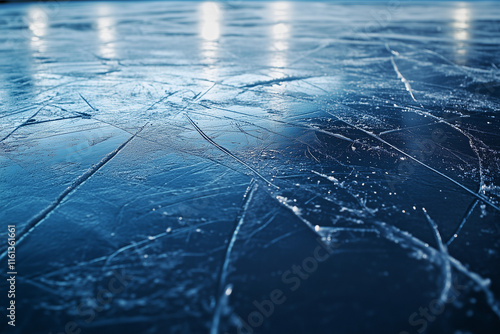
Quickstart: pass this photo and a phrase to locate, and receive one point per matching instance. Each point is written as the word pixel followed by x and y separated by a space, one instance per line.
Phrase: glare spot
pixel 106 31
pixel 280 30
pixel 210 21
pixel 210 18
pixel 280 33
pixel 37 22
pixel 461 26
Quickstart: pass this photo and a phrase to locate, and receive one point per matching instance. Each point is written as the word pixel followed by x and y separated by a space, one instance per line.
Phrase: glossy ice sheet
pixel 172 166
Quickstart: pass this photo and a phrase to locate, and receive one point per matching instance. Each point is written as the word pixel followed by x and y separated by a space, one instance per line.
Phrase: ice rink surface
pixel 252 167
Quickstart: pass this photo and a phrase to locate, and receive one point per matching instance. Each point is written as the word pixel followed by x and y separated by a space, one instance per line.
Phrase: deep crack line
pixel 160 100
pixel 50 120
pixel 472 139
pixel 398 236
pixel 226 151
pixel 273 81
pixel 462 223
pixel 271 131
pixel 41 216
pixel 302 126
pixel 88 103
pixel 443 297
pixel 200 95
pixel 27 122
pixel 479 196
pixel 224 289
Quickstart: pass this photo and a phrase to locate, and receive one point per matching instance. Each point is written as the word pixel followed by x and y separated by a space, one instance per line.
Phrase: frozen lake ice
pixel 251 167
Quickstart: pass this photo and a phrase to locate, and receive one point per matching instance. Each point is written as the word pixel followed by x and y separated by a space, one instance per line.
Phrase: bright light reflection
pixel 210 21
pixel 38 24
pixel 461 25
pixel 280 33
pixel 281 10
pixel 106 31
pixel 210 17
pixel 462 18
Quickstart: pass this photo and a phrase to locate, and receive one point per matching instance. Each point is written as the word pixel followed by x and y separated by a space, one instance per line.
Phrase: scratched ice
pixel 170 166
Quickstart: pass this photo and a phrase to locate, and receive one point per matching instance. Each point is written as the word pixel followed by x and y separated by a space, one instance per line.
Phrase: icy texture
pixel 203 149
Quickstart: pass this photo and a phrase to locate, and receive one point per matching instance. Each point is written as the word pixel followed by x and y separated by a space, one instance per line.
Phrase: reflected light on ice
pixel 38 23
pixel 210 16
pixel 210 21
pixel 281 10
pixel 280 33
pixel 106 31
pixel 462 17
pixel 461 25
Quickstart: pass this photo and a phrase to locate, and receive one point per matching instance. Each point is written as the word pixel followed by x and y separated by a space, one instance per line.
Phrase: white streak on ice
pixel 403 79
pixel 446 261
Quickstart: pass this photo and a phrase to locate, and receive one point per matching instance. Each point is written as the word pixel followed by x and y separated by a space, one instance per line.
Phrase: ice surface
pixel 202 151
